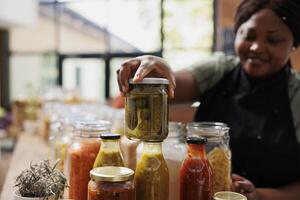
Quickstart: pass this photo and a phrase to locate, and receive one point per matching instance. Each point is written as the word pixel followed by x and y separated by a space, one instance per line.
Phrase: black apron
pixel 262 135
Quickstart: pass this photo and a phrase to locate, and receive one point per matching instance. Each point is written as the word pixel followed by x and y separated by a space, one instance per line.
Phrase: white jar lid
pixel 162 81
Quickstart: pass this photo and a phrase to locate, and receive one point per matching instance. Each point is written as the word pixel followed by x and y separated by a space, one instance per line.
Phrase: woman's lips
pixel 256 60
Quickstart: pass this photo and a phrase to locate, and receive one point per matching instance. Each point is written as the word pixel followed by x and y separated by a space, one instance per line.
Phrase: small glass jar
pixel 111 183
pixel 81 156
pixel 146 110
pixel 174 151
pixel 109 153
pixel 217 150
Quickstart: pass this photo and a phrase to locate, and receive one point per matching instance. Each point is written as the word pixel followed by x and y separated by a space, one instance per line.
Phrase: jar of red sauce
pixel 111 182
pixel 196 176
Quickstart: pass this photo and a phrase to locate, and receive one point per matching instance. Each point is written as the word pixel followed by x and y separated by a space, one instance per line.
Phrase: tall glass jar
pixel 152 174
pixel 62 140
pixel 111 183
pixel 146 109
pixel 109 154
pixel 174 151
pixel 81 157
pixel 196 176
pixel 217 149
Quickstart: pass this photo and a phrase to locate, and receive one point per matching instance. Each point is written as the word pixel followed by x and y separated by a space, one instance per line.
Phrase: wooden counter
pixel 29 148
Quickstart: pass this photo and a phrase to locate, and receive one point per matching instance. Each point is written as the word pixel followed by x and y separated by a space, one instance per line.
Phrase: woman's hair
pixel 287 10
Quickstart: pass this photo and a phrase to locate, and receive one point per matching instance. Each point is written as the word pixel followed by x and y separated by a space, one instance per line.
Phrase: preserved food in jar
pixel 62 140
pixel 146 110
pixel 109 154
pixel 111 183
pixel 196 176
pixel 81 157
pixel 217 149
pixel 152 175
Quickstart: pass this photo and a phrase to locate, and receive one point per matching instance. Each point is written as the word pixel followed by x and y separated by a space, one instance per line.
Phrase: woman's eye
pixel 249 37
pixel 273 40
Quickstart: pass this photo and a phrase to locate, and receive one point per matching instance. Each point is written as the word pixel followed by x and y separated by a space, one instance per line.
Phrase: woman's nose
pixel 257 46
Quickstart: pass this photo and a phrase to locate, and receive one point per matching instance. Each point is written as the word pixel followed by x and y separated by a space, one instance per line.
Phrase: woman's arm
pixel 288 192
pixel 246 187
pixel 186 87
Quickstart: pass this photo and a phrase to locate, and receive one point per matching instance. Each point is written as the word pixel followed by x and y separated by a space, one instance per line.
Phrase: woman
pixel 257 94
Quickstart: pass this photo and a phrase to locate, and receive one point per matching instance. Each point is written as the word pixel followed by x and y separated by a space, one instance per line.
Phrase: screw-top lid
pixel 110 136
pixel 196 140
pixel 227 195
pixel 111 174
pixel 151 81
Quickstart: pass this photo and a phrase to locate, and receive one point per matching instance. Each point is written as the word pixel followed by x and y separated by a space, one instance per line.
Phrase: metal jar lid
pixel 161 81
pixel 227 195
pixel 111 174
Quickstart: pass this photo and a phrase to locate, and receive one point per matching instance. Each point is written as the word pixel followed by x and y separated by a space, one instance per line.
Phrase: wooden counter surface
pixel 29 148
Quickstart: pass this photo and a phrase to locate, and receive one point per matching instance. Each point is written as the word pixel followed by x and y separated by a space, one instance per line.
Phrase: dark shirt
pixel 262 136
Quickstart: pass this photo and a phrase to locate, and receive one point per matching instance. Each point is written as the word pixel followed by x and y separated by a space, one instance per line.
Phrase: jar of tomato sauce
pixel 81 156
pixel 196 176
pixel 111 182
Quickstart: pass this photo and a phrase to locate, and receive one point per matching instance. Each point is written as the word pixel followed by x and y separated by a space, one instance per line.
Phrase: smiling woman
pixel 256 93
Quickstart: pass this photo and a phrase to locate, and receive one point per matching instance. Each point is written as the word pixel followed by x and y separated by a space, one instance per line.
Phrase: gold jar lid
pixel 227 195
pixel 111 174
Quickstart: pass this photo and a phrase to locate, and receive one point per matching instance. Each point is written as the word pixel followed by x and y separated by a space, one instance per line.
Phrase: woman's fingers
pixel 143 66
pixel 125 72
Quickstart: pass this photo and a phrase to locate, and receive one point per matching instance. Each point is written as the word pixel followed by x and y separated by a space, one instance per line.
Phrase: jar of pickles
pixel 111 183
pixel 146 110
pixel 81 156
pixel 217 150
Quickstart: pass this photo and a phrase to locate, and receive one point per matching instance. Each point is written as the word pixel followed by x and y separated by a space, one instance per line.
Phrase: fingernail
pixel 123 89
pixel 137 76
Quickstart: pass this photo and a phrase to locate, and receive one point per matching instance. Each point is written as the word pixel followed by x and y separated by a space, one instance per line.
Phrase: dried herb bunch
pixel 41 180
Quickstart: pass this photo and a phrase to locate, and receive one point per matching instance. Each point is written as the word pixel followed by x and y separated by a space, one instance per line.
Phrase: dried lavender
pixel 41 180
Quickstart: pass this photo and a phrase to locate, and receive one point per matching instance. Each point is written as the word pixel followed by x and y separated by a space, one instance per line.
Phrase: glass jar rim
pixel 208 129
pixel 91 128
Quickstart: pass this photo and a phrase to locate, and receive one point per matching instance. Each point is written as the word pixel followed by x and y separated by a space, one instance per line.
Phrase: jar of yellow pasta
pixel 217 149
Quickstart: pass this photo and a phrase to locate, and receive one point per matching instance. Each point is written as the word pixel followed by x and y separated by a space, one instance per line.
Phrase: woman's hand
pixel 143 66
pixel 244 186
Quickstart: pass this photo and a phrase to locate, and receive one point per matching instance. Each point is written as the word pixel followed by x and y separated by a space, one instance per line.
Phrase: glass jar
pixel 111 183
pixel 146 110
pixel 81 156
pixel 109 153
pixel 196 176
pixel 62 141
pixel 217 149
pixel 174 151
pixel 152 174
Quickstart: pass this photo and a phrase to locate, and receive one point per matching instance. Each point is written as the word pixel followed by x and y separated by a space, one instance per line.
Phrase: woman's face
pixel 263 44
